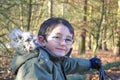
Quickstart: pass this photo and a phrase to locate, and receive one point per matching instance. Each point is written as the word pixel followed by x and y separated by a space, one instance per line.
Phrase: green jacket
pixel 40 65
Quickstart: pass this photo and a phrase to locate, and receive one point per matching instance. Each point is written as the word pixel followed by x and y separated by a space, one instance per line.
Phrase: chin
pixel 60 55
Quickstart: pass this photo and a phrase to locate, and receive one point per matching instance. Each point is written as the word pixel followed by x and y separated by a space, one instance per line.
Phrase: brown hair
pixel 48 25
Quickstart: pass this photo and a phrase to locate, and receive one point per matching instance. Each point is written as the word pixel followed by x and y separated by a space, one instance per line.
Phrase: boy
pixel 52 61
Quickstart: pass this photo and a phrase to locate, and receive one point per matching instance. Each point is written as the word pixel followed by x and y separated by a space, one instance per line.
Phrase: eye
pixel 70 40
pixel 57 37
pixel 20 37
pixel 28 40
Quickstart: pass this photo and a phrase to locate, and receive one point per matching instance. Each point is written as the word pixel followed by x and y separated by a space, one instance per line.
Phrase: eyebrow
pixel 61 35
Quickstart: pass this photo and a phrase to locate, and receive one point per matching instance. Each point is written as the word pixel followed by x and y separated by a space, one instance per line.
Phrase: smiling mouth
pixel 61 49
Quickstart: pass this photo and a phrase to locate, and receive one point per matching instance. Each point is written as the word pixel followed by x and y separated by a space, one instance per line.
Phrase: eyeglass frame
pixel 61 39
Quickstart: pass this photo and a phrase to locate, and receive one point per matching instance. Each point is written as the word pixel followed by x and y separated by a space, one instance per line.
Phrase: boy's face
pixel 59 41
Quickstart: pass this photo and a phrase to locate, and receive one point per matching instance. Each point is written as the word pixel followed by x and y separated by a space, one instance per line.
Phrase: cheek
pixel 68 49
pixel 51 46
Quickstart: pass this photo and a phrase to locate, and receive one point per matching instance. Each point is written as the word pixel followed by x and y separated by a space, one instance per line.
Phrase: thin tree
pixel 29 15
pixel 82 40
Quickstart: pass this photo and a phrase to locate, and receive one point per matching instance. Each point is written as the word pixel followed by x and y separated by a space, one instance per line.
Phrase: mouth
pixel 60 49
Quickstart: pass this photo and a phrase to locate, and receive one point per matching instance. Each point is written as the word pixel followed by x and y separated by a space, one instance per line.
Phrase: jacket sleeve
pixel 34 69
pixel 76 65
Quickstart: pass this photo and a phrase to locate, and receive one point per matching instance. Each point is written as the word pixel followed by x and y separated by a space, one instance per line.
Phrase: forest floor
pixel 105 56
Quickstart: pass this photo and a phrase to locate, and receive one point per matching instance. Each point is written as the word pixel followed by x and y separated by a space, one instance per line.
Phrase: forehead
pixel 61 29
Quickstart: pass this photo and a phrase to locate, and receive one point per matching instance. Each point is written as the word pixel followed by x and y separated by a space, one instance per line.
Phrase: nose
pixel 62 42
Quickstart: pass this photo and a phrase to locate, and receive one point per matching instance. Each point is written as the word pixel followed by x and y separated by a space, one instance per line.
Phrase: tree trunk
pixel 116 50
pixel 104 46
pixel 21 15
pixel 89 42
pixel 83 32
pixel 50 8
pixel 29 15
pixel 82 37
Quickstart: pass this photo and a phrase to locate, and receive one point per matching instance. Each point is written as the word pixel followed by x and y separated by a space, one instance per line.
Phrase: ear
pixel 41 40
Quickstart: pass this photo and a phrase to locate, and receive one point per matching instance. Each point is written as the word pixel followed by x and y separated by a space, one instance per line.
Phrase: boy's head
pixel 48 25
pixel 57 35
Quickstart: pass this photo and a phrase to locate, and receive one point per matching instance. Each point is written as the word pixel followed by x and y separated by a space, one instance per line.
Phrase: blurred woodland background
pixel 96 24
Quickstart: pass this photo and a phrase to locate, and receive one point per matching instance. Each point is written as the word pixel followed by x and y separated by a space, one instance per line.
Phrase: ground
pixel 105 56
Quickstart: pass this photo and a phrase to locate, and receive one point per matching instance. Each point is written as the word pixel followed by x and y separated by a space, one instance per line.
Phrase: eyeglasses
pixel 58 39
